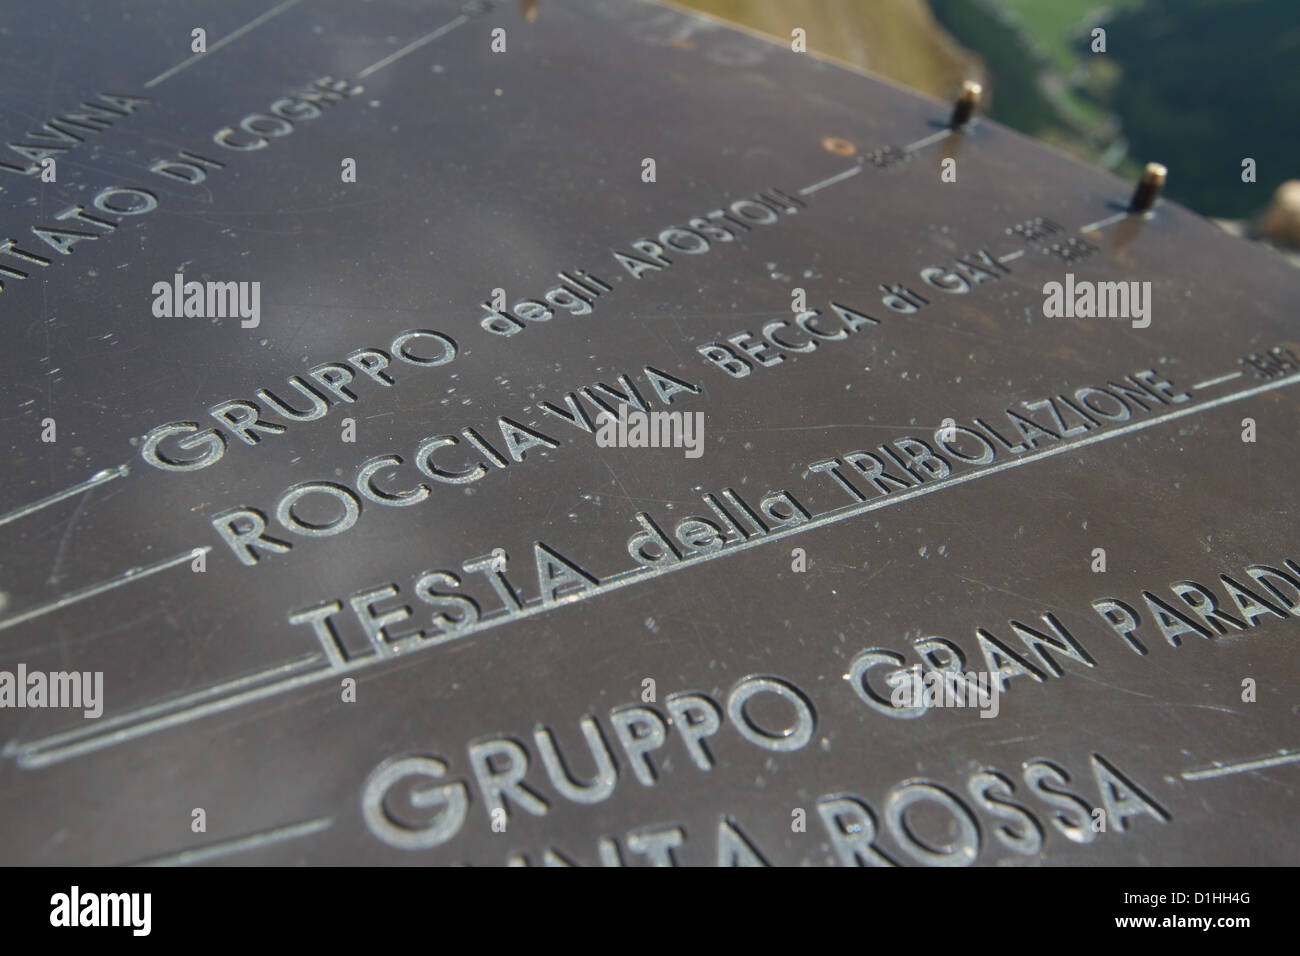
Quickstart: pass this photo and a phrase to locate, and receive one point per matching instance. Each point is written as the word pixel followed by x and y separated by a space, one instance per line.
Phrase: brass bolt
pixel 967 103
pixel 1148 188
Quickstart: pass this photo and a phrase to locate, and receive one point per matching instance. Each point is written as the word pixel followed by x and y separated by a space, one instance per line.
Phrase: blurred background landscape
pixel 1199 85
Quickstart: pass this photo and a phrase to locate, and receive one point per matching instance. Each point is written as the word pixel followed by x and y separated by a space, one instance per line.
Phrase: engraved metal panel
pixel 440 593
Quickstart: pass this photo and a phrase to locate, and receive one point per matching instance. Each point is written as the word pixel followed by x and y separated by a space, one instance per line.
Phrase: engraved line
pixel 1220 380
pixel 1103 223
pixel 127 577
pixel 929 140
pixel 253 841
pixel 100 726
pixel 99 478
pixel 38 753
pixel 1224 770
pixel 838 177
pixel 1012 256
pixel 251 25
pixel 412 46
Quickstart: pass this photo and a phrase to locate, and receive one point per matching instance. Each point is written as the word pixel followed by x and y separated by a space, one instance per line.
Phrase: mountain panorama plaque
pixel 583 433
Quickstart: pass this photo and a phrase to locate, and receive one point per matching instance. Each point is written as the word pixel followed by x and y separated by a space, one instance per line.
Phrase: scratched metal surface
pixel 478 170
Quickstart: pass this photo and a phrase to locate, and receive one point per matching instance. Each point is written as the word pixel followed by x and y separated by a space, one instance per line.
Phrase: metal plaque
pixel 582 433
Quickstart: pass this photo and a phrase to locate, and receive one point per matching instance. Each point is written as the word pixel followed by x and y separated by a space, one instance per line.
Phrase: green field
pixel 1053 22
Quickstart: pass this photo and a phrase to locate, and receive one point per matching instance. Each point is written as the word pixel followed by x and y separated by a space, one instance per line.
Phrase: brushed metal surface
pixel 479 170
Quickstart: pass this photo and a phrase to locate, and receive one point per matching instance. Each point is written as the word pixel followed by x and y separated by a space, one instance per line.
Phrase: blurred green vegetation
pixel 1207 83
pixel 1198 85
pixel 1053 22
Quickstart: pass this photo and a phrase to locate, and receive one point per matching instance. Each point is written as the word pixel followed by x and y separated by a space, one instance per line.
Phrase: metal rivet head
pixel 967 103
pixel 1148 188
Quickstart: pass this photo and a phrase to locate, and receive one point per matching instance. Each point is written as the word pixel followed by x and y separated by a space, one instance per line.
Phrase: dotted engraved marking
pixel 884 157
pixel 132 725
